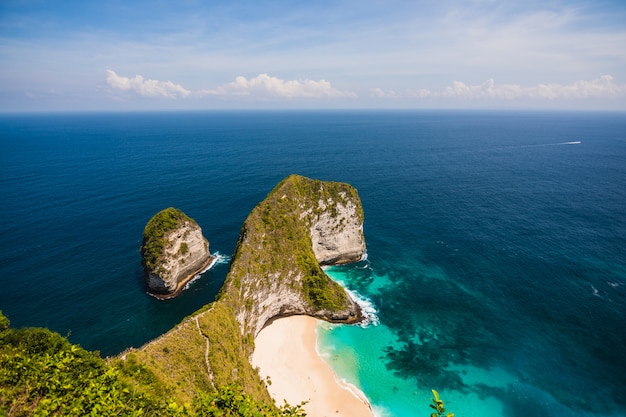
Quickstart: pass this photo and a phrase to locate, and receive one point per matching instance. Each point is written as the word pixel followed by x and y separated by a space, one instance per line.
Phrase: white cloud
pixel 380 93
pixel 602 87
pixel 265 86
pixel 487 89
pixel 422 93
pixel 146 88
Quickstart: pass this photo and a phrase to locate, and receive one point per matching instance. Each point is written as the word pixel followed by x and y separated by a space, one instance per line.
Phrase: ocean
pixel 496 264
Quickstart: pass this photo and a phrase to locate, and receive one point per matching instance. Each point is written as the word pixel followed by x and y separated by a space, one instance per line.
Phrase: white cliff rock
pixel 337 235
pixel 275 271
pixel 301 225
pixel 182 253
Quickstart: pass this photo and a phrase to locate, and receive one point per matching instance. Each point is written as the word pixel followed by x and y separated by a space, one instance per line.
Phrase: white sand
pixel 286 352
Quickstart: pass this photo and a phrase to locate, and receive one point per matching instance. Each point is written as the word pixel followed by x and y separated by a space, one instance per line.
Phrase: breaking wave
pixel 218 259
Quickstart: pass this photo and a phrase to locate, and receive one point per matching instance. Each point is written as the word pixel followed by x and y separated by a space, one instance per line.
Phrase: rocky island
pixel 173 251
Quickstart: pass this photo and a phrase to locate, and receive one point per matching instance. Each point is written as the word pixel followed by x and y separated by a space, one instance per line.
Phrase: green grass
pixel 274 246
pixel 176 360
pixel 155 235
pixel 41 373
pixel 277 226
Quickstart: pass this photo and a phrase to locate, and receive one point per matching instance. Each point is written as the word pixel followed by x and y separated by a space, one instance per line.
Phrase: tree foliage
pixel 154 234
pixel 4 321
pixel 230 401
pixel 43 374
pixel 438 406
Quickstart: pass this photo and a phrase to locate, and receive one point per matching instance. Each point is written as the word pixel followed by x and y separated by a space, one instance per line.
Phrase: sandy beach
pixel 286 352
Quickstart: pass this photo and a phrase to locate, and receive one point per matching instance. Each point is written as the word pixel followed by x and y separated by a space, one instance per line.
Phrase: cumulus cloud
pixel 146 88
pixel 265 86
pixel 602 87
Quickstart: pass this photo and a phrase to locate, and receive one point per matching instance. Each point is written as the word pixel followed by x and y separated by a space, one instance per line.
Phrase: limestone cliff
pixel 275 271
pixel 302 224
pixel 173 251
pixel 337 233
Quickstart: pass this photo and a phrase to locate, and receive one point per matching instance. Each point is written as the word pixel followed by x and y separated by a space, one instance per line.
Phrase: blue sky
pixel 187 54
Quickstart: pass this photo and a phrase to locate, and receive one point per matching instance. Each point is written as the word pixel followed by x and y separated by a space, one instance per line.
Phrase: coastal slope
pixel 275 272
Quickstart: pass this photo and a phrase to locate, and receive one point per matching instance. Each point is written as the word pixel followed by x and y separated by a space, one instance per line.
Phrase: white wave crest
pixel 370 312
pixel 596 292
pixel 218 259
pixel 192 280
pixel 221 259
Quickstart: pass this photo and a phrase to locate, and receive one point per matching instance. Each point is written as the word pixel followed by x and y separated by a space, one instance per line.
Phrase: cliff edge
pixel 173 251
pixel 202 366
pixel 275 271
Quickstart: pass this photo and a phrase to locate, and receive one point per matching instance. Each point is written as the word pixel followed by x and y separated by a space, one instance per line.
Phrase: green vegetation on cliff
pixel 202 366
pixel 203 352
pixel 42 374
pixel 274 253
pixel 154 234
pixel 4 321
pixel 278 240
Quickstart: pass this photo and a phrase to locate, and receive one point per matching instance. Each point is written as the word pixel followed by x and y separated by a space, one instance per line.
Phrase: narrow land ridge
pixel 275 271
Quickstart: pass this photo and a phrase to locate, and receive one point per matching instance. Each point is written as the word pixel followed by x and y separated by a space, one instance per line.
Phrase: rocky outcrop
pixel 275 271
pixel 337 234
pixel 173 252
pixel 301 225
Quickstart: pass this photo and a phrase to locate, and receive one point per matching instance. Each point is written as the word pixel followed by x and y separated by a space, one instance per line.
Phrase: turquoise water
pixel 496 241
pixel 358 356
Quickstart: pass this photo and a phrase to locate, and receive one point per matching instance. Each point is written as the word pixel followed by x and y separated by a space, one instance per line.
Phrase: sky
pixel 115 55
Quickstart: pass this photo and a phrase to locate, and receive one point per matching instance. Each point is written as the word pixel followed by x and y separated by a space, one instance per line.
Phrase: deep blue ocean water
pixel 496 241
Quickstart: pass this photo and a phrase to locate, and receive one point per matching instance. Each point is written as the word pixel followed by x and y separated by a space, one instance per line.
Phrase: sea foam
pixel 218 259
pixel 369 309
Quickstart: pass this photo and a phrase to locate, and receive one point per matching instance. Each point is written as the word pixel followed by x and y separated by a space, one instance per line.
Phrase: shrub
pixel 154 234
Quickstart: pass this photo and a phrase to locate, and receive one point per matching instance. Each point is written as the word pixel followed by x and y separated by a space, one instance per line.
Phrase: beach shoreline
pixel 287 357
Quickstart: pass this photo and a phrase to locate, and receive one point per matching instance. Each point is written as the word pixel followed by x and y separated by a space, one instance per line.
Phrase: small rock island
pixel 173 251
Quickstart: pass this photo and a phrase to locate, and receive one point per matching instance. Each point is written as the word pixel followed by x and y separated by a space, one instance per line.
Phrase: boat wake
pixel 575 142
pixel 542 145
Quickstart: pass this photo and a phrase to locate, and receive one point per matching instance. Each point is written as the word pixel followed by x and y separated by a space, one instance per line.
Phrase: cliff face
pixel 275 271
pixel 173 252
pixel 337 231
pixel 301 225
